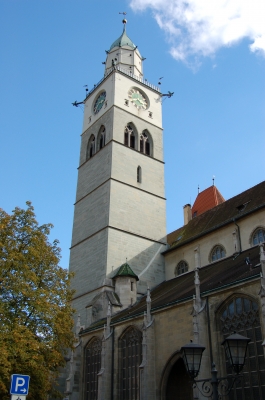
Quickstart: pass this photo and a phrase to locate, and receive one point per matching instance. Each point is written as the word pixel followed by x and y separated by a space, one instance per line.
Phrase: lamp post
pixel 235 347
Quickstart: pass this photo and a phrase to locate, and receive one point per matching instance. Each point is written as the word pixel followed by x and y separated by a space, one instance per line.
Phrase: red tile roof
pixel 206 200
pixel 235 208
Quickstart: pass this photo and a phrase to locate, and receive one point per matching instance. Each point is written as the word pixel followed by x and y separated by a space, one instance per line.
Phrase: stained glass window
pixel 217 253
pixel 242 316
pixel 131 356
pixel 182 267
pixel 258 236
pixel 93 362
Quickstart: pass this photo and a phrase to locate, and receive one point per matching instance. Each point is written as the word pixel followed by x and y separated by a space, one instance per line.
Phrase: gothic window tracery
pixel 130 358
pixel 91 147
pixel 241 314
pixel 217 253
pixel 129 136
pixel 181 268
pixel 92 367
pixel 145 145
pixel 258 236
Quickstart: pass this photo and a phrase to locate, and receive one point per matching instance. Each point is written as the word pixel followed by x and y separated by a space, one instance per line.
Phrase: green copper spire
pixel 123 40
pixel 125 270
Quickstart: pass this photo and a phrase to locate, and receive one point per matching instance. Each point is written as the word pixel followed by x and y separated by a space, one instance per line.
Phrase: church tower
pixel 119 212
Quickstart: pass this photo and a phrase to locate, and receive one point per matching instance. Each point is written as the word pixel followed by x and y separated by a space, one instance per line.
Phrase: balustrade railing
pixel 126 72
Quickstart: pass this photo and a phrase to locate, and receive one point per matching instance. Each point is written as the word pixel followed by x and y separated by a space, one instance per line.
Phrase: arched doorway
pixel 179 385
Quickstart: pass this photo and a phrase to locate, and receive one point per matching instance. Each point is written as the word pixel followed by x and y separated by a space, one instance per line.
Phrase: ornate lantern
pixel 192 355
pixel 236 347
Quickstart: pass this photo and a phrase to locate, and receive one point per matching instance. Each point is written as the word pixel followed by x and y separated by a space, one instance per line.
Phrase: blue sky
pixel 213 125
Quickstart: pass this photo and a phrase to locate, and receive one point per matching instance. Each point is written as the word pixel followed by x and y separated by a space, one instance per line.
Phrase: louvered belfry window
pixel 93 362
pixel 242 316
pixel 130 359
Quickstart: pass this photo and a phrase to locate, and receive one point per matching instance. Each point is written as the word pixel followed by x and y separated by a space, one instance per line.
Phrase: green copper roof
pixel 125 270
pixel 123 40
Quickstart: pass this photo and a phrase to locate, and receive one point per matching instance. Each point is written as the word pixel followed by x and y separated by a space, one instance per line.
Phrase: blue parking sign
pixel 19 384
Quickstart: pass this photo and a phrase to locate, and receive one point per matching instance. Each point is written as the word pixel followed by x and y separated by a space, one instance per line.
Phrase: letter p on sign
pixel 19 382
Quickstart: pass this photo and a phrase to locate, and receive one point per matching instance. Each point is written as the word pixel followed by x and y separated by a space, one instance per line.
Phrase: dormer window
pixel 241 207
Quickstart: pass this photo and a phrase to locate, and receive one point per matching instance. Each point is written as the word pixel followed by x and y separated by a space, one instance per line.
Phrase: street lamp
pixel 235 346
pixel 192 355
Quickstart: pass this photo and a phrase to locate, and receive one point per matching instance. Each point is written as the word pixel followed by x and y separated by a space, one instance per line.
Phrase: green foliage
pixel 35 304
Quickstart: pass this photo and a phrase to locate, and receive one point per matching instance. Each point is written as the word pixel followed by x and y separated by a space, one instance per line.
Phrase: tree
pixel 35 304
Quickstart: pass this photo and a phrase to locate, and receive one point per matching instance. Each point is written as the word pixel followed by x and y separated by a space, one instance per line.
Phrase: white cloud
pixel 198 28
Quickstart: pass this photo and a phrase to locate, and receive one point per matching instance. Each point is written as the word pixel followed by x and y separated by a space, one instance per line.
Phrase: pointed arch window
pixel 241 314
pixel 130 346
pixel 258 236
pixel 129 136
pixel 91 147
pixel 181 268
pixel 145 145
pixel 102 137
pixel 92 367
pixel 217 253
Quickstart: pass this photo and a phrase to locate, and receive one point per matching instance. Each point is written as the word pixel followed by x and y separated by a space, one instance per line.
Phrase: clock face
pixel 99 102
pixel 138 98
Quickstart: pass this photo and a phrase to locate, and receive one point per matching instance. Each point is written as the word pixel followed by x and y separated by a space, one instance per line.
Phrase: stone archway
pixel 176 384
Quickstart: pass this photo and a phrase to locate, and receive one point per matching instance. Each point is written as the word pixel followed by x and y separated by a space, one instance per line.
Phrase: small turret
pixel 125 285
pixel 124 54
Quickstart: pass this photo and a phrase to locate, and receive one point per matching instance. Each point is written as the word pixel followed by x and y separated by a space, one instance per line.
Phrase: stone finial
pixel 78 325
pixel 148 306
pixel 262 259
pixel 145 321
pixel 197 257
pixel 197 285
pixel 234 233
pixel 108 319
pixel 195 321
pixel 144 343
pixel 262 274
pixel 261 252
pixel 69 383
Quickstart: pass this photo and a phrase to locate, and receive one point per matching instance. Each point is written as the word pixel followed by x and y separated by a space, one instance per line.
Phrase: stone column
pixel 262 290
pixel 104 375
pixel 200 322
pixel 73 389
pixel 147 367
